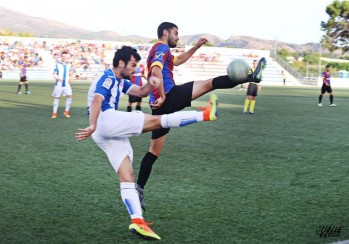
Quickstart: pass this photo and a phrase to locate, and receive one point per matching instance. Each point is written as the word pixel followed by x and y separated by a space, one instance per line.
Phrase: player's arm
pixel 95 109
pixel 55 75
pixel 180 59
pixel 157 72
pixel 71 74
pixel 19 66
pixel 143 91
pixel 323 76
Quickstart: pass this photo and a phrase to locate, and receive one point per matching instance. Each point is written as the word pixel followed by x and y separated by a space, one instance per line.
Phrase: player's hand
pixel 84 133
pixel 158 103
pixel 201 42
pixel 154 81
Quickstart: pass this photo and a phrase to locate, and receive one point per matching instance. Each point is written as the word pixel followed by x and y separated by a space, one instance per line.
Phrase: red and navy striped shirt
pixel 160 55
pixel 327 77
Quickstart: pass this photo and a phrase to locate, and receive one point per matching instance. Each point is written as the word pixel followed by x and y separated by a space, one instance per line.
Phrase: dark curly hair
pixel 125 53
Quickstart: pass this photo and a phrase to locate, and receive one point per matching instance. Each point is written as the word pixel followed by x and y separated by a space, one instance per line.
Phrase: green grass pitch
pixel 272 177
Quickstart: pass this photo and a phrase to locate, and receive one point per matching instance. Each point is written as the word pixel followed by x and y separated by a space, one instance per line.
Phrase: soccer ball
pixel 238 70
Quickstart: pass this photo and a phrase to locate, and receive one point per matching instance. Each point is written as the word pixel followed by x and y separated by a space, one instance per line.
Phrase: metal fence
pixel 304 80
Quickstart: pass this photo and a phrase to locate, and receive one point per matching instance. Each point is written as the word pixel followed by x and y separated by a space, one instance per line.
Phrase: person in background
pixel 326 86
pixel 62 73
pixel 137 79
pixel 23 64
pixel 252 91
pixel 283 75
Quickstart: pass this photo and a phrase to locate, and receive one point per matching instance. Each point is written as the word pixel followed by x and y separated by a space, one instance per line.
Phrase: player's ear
pixel 121 64
pixel 165 32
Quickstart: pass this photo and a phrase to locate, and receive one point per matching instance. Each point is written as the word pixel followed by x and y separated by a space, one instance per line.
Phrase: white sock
pixel 179 119
pixel 131 200
pixel 68 103
pixel 55 105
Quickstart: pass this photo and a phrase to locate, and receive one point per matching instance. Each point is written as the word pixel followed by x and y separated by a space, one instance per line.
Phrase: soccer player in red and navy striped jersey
pixel 326 87
pixel 169 97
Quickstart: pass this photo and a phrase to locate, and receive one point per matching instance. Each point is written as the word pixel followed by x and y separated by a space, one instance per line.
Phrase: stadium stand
pixel 90 57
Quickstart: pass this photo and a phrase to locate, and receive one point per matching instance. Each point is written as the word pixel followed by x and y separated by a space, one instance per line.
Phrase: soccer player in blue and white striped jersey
pixel 62 73
pixel 111 129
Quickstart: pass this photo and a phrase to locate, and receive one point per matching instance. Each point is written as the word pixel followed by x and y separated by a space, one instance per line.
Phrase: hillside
pixel 249 42
pixel 39 27
pixel 18 22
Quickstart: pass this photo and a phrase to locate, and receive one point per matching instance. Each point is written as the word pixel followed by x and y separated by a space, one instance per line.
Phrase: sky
pixel 292 21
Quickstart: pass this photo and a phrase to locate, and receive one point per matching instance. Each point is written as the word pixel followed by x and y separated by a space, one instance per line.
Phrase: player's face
pixel 64 58
pixel 129 69
pixel 173 38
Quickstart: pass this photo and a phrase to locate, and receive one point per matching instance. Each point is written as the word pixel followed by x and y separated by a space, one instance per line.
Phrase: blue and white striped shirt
pixel 110 87
pixel 63 72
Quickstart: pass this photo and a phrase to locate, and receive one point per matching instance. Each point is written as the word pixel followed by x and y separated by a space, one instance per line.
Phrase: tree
pixel 7 33
pixel 311 58
pixel 25 34
pixel 337 26
pixel 283 53
pixel 11 33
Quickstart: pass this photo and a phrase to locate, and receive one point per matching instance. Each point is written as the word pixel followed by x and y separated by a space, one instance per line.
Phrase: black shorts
pixel 252 89
pixel 23 79
pixel 177 99
pixel 133 99
pixel 325 89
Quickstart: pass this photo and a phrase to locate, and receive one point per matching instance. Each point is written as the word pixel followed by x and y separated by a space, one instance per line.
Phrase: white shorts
pixel 113 131
pixel 58 91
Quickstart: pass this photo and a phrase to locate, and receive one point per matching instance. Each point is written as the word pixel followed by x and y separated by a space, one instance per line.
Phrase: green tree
pixel 311 58
pixel 25 34
pixel 337 26
pixel 7 33
pixel 283 53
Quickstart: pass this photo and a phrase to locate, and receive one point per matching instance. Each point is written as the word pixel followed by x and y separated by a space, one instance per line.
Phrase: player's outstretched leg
pixel 256 76
pixel 177 119
pixel 183 118
pixel 224 82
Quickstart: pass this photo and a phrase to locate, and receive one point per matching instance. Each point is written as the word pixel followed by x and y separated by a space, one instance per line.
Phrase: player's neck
pixel 164 41
pixel 116 72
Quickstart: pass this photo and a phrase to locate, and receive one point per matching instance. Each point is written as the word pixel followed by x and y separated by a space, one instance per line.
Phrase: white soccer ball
pixel 238 70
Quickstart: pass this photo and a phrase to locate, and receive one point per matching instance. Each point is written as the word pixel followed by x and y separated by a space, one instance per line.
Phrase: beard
pixel 125 76
pixel 172 43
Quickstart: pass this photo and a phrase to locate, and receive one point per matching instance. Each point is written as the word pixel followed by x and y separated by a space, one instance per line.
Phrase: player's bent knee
pixel 126 177
pixel 151 122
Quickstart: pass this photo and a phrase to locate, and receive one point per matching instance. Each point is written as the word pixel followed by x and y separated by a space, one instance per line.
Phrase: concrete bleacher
pixel 91 57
